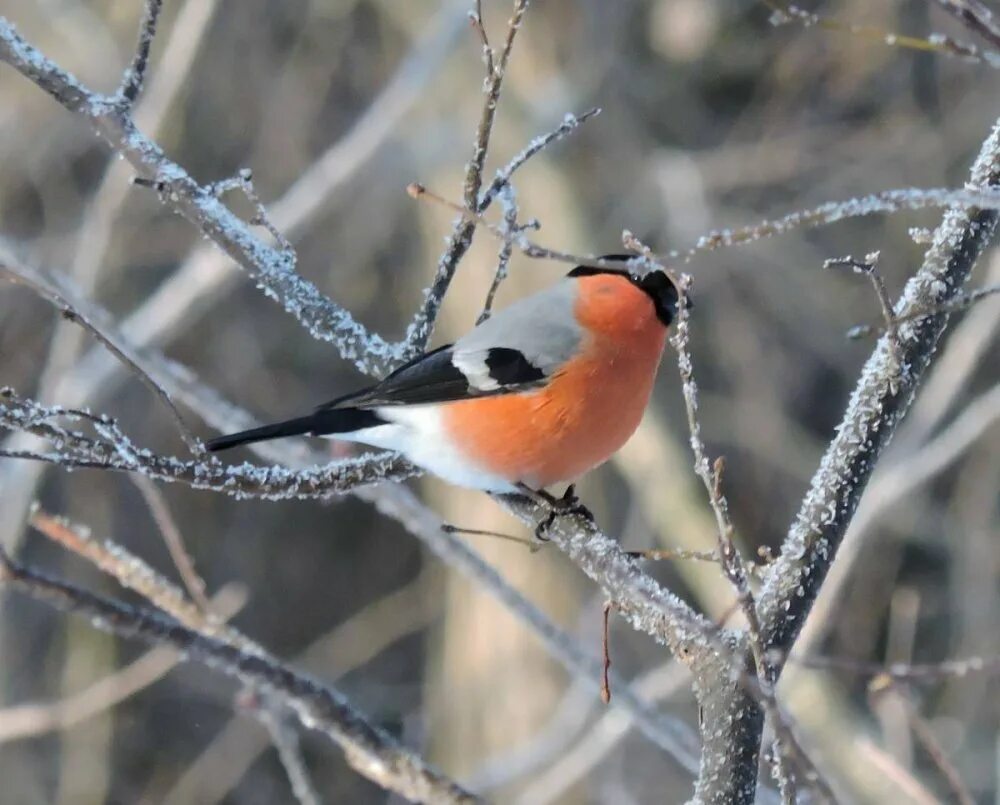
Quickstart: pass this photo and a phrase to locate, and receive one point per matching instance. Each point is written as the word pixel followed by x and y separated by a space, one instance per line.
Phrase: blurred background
pixel 711 118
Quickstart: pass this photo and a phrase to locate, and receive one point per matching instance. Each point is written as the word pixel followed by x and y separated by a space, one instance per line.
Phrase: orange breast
pixel 586 412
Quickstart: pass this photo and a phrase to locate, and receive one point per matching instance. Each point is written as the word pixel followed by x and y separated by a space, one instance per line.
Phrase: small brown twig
pixel 606 654
pixel 531 544
pixel 134 76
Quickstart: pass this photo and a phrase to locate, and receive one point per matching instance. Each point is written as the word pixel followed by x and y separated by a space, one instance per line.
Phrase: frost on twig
pixel 787 749
pixel 569 124
pixel 243 181
pixel 369 749
pixel 272 268
pixel 875 410
pixel 976 16
pixel 960 302
pixel 787 13
pixel 869 267
pixel 887 201
pixel 457 243
pixel 134 76
pixel 109 448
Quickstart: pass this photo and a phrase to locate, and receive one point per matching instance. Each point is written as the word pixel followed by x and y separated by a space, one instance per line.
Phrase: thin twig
pixel 606 653
pixel 243 181
pixel 569 124
pixel 869 267
pixel 509 203
pixel 976 16
pixel 156 502
pixel 785 13
pixel 369 750
pixel 286 742
pixel 422 326
pixel 787 746
pixel 960 302
pixel 49 289
pixel 32 719
pixel 134 76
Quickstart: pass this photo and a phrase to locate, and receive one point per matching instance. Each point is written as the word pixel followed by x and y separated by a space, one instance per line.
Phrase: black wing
pixel 434 377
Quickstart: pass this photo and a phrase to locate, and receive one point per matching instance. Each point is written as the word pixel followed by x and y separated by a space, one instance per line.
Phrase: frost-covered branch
pixel 419 332
pixel 272 268
pixel 108 448
pixel 132 81
pixel 976 16
pixel 786 13
pixel 369 750
pixel 875 409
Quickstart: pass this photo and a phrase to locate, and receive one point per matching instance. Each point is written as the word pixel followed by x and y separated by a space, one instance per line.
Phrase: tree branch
pixel 369 750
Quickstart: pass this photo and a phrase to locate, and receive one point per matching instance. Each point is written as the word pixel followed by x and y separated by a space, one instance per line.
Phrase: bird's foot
pixel 568 504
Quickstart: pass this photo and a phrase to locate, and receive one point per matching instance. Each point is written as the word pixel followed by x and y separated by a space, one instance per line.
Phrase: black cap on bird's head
pixel 655 284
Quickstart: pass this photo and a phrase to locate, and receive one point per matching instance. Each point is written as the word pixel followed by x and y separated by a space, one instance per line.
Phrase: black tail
pixel 324 421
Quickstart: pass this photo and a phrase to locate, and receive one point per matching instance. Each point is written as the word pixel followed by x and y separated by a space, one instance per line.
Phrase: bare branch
pixel 273 269
pixel 422 326
pixel 369 750
pixel 32 719
pixel 110 449
pixel 570 124
pixel 785 13
pixel 134 76
pixel 49 289
pixel 786 746
pixel 976 16
pixel 874 412
pixel 156 502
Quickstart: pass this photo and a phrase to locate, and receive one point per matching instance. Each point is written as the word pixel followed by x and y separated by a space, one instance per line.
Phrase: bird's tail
pixel 321 423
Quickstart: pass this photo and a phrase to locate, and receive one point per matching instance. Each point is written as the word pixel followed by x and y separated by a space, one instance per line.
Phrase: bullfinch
pixel 543 391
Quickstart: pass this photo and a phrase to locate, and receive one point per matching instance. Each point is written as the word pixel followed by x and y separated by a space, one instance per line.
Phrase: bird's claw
pixel 568 504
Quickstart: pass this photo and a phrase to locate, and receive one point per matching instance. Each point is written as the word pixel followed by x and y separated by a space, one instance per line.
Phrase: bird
pixel 537 395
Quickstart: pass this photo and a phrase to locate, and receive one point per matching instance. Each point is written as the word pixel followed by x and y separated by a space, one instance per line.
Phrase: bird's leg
pixel 569 503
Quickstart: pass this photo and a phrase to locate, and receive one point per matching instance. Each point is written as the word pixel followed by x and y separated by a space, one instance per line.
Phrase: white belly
pixel 417 432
